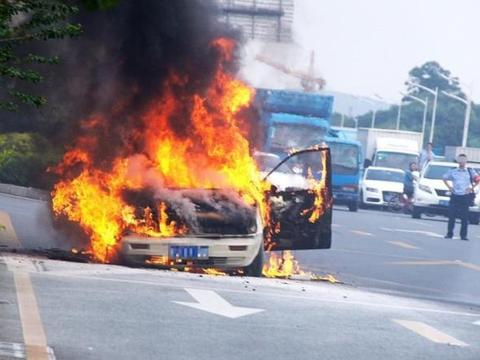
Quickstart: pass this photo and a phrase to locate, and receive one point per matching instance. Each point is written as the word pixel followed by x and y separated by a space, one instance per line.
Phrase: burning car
pixel 170 179
pixel 226 233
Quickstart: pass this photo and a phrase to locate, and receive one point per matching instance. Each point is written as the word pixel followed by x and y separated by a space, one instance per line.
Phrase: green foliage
pixel 432 75
pixel 100 4
pixel 450 113
pixel 23 156
pixel 22 22
pixel 348 121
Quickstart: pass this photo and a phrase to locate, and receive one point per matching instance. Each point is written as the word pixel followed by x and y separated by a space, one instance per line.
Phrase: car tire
pixel 416 213
pixel 256 267
pixel 474 218
pixel 353 207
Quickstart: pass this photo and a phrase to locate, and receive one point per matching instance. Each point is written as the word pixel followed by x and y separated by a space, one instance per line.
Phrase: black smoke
pixel 119 64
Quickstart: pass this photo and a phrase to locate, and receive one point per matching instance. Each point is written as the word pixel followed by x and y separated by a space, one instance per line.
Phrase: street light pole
pixel 468 110
pixel 434 114
pixel 434 109
pixel 374 111
pixel 399 114
pixel 425 110
pixel 467 101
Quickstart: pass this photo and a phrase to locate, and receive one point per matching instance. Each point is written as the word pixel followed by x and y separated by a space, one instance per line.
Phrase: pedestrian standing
pixel 426 156
pixel 411 175
pixel 461 182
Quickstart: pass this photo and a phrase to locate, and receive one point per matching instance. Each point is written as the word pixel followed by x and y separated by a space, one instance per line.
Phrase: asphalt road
pixel 392 252
pixel 408 294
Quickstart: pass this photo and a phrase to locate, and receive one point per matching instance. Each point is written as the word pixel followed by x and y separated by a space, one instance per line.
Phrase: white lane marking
pixel 439 262
pixel 403 244
pixel 421 232
pixel 360 232
pixel 423 223
pixel 373 304
pixel 430 332
pixel 22 264
pixel 18 351
pixel 210 301
pixel 476 322
pixel 14 350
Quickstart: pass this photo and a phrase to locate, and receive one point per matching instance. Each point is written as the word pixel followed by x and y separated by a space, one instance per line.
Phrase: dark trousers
pixel 459 205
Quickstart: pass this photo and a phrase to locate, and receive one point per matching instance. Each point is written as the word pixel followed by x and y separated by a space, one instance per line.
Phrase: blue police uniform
pixel 459 200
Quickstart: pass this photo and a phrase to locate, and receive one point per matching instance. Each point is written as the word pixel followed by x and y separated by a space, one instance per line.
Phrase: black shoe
pixel 464 238
pixel 448 236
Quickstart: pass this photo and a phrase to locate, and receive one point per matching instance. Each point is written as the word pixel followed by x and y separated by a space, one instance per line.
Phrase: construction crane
pixel 308 80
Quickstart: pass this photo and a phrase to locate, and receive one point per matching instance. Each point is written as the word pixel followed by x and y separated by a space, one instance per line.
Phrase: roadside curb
pixel 26 192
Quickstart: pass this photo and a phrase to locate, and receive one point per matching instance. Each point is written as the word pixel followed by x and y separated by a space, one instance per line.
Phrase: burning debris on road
pixel 169 152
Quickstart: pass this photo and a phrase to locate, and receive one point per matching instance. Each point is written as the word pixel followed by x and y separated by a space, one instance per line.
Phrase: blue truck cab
pixel 297 120
pixel 347 167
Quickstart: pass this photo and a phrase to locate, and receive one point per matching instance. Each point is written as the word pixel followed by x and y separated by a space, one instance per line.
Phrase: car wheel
pixel 416 213
pixel 256 267
pixel 474 218
pixel 353 206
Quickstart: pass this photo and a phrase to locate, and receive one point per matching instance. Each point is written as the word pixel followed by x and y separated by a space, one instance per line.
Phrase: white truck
pixel 390 148
pixel 473 154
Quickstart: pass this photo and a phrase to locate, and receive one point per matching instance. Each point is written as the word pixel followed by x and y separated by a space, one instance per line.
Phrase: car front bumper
pixel 345 198
pixel 224 252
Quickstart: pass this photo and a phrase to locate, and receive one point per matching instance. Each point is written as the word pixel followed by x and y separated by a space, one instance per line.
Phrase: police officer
pixel 461 182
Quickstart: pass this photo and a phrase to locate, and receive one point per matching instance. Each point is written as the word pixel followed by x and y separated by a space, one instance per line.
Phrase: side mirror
pixel 367 163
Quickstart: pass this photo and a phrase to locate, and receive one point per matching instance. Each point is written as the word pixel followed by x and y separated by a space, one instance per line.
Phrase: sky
pixel 367 47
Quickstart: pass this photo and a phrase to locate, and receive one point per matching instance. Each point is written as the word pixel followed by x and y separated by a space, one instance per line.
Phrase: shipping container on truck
pixel 297 120
pixel 473 154
pixel 390 148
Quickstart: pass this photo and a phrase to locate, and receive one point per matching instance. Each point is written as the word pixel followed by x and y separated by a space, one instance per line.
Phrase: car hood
pixel 433 183
pixel 384 185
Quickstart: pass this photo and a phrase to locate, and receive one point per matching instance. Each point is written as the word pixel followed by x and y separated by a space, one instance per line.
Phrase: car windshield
pixel 385 175
pixel 436 172
pixel 293 136
pixel 394 159
pixel 267 162
pixel 345 158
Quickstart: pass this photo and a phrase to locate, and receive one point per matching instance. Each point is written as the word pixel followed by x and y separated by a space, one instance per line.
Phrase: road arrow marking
pixel 210 301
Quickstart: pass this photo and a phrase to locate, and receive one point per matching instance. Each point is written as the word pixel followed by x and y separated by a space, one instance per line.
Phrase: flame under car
pixel 226 233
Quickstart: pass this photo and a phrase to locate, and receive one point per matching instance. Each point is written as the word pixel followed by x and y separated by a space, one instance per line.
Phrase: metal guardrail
pixel 26 192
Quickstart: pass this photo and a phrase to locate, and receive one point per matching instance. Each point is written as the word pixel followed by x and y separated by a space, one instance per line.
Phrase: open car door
pixel 300 202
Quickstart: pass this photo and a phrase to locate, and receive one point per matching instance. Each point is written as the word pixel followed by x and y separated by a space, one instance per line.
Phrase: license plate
pixel 444 202
pixel 188 252
pixel 388 197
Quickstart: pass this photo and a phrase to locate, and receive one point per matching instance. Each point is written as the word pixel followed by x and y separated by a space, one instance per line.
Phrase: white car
pixel 432 196
pixel 227 234
pixel 380 185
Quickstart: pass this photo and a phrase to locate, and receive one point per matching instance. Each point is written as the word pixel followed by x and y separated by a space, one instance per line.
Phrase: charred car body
pixel 224 232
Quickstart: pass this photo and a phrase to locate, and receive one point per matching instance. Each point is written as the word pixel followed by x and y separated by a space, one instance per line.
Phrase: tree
pixel 432 75
pixel 27 22
pixel 450 113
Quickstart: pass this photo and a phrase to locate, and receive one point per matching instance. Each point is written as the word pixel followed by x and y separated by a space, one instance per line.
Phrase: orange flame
pixel 284 266
pixel 184 139
pixel 215 153
pixel 319 188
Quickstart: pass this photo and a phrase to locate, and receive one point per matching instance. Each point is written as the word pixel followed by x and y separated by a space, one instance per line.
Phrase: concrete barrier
pixel 26 192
